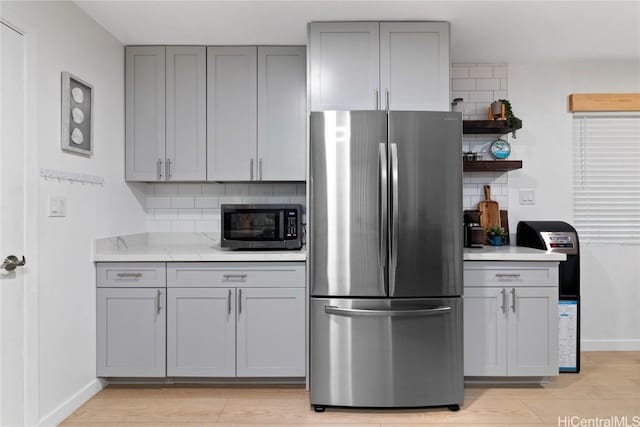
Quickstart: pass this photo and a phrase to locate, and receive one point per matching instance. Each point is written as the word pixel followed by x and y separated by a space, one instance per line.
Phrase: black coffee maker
pixel 473 232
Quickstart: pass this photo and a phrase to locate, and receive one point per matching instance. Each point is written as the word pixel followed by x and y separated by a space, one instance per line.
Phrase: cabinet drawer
pixel 510 274
pixel 131 274
pixel 236 274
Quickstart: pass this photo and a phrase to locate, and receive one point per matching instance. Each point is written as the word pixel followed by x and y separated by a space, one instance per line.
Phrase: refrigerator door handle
pixel 331 309
pixel 382 205
pixel 393 250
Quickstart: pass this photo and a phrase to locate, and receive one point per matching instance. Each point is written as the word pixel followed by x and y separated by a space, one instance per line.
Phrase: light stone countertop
pixel 510 253
pixel 161 247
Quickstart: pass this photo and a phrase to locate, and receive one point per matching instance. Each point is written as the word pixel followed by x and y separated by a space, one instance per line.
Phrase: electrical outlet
pixel 57 206
pixel 527 197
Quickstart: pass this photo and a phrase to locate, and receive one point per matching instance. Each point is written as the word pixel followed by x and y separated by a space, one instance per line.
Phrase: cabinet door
pixel 282 113
pixel 533 331
pixel 186 158
pixel 485 332
pixel 270 332
pixel 231 113
pixel 344 65
pixel 145 113
pixel 201 332
pixel 414 65
pixel 131 332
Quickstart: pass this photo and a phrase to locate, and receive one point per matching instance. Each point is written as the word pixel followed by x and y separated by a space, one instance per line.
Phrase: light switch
pixel 527 197
pixel 57 206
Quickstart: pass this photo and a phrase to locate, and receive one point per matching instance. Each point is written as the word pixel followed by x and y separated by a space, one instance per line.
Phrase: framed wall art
pixel 77 115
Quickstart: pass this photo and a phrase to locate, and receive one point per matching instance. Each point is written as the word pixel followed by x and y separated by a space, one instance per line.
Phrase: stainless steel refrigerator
pixel 386 259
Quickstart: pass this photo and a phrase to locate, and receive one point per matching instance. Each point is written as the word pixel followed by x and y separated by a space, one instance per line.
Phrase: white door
pixel 485 331
pixel 414 66
pixel 12 237
pixel 344 65
pixel 533 331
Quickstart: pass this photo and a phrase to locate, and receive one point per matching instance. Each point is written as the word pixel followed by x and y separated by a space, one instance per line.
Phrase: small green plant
pixel 510 120
pixel 496 230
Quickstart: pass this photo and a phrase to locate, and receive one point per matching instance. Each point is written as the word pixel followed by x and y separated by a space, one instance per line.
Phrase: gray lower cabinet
pixel 131 332
pixel 511 319
pixel 271 345
pixel 201 332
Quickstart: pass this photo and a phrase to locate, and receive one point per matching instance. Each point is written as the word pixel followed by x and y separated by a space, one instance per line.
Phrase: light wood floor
pixel 608 386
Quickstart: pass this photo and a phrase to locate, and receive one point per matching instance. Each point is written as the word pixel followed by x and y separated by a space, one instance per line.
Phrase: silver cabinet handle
pixel 331 309
pixel 377 102
pixel 130 275
pixel 507 275
pixel 382 205
pixel 158 296
pixel 260 168
pixel 387 100
pixel 239 301
pixel 159 167
pixel 11 262
pixel 504 300
pixel 513 299
pixel 229 303
pixel 251 169
pixel 234 277
pixel 168 169
pixel 393 262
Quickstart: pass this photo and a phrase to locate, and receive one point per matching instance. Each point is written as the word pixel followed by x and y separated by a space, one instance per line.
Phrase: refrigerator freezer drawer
pixel 386 353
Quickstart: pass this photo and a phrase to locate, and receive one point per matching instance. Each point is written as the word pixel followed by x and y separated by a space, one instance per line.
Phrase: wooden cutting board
pixel 489 210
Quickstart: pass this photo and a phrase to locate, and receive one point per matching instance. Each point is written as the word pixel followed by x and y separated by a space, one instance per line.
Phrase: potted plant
pixel 510 119
pixel 496 235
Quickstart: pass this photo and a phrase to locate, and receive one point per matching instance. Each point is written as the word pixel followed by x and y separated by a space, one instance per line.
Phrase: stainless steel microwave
pixel 261 226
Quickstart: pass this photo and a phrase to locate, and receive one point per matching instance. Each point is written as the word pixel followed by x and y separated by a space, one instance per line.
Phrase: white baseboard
pixel 67 407
pixel 610 345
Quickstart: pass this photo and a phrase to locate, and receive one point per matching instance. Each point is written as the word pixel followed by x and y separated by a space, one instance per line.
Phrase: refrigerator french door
pixel 386 259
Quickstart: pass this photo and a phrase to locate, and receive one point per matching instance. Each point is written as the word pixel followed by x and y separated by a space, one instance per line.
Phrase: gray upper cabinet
pixel 130 332
pixel 201 332
pixel 271 332
pixel 414 65
pixel 165 113
pixel 282 113
pixel 145 112
pixel 231 113
pixel 367 65
pixel 186 153
pixel 344 70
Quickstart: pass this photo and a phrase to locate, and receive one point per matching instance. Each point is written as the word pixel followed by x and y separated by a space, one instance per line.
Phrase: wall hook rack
pixel 71 177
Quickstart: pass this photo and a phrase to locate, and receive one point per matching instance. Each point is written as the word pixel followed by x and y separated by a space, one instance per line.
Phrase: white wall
pixel 68 40
pixel 610 284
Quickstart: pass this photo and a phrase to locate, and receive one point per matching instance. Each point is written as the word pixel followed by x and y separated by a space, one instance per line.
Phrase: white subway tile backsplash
pixel 183 226
pixel 254 200
pixel 298 200
pixel 207 226
pixel 207 202
pixel 230 200
pixel 165 189
pixel 301 189
pixel 464 94
pixel 182 202
pixel 158 226
pixel 459 72
pixel 499 94
pixel 500 72
pixel 503 84
pixel 279 199
pixel 469 190
pixel 210 214
pixel 488 84
pixel 284 189
pixel 166 214
pixel 213 188
pixel 237 189
pixel 190 214
pixel 501 178
pixel 189 189
pixel 481 96
pixel 260 189
pixel 463 84
pixel 154 202
pixel 481 72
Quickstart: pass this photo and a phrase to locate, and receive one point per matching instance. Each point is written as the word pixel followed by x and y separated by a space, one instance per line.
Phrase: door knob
pixel 11 262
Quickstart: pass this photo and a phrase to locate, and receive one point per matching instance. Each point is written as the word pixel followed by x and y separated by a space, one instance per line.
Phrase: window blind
pixel 606 197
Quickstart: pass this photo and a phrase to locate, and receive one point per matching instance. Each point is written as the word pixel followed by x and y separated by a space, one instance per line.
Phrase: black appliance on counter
pixel 558 236
pixel 260 227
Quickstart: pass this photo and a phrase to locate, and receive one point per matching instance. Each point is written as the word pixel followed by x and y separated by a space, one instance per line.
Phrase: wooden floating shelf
pixel 491 165
pixel 491 127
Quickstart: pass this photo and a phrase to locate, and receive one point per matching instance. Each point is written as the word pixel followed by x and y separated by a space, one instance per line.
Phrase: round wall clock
pixel 500 149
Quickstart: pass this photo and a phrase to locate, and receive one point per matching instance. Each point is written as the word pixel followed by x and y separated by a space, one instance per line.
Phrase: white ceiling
pixel 482 31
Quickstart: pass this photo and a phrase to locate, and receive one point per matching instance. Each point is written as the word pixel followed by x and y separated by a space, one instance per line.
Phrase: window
pixel 606 197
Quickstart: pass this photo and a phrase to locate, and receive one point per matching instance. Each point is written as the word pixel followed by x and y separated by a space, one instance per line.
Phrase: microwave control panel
pixel 292 225
pixel 564 242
